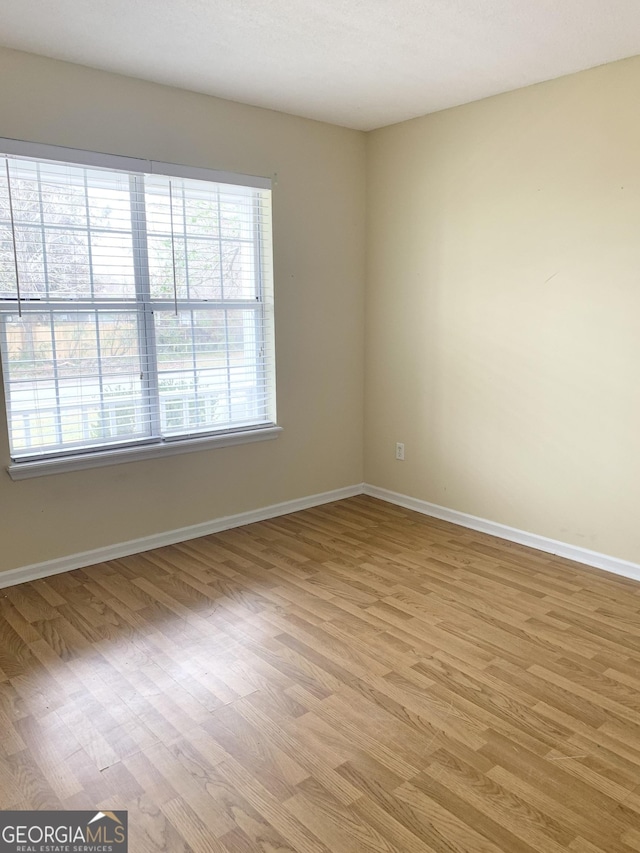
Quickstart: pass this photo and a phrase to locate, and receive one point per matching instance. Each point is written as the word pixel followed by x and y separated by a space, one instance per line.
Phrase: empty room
pixel 320 426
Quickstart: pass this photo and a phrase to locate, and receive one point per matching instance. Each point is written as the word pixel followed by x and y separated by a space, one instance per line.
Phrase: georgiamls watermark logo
pixel 63 832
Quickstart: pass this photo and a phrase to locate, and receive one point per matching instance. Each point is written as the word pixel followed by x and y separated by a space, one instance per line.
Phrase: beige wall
pixel 503 309
pixel 318 205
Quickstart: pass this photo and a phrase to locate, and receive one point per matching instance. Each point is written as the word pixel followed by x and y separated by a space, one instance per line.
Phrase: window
pixel 135 306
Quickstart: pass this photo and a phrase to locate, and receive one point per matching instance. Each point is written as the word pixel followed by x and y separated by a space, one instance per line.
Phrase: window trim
pixel 137 453
pixel 146 448
pixel 80 157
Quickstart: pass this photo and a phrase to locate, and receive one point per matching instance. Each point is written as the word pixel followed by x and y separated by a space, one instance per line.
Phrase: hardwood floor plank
pixel 352 677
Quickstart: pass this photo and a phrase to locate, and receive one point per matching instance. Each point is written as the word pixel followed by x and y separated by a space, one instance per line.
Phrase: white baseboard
pixel 532 540
pixel 170 537
pixel 183 534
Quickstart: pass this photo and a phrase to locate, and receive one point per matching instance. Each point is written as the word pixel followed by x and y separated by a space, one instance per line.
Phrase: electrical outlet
pixel 400 451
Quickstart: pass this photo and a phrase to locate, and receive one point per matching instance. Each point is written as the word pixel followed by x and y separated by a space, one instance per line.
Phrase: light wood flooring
pixel 354 677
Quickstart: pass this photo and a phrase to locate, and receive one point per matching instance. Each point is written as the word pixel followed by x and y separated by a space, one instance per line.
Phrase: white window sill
pixel 102 458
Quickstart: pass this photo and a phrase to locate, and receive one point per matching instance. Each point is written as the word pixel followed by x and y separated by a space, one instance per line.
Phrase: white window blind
pixel 134 307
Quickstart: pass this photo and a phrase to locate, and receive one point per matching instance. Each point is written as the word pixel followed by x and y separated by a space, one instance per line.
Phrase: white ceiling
pixel 359 63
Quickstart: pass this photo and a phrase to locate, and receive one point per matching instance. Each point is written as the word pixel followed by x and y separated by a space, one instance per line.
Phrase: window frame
pixel 156 444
